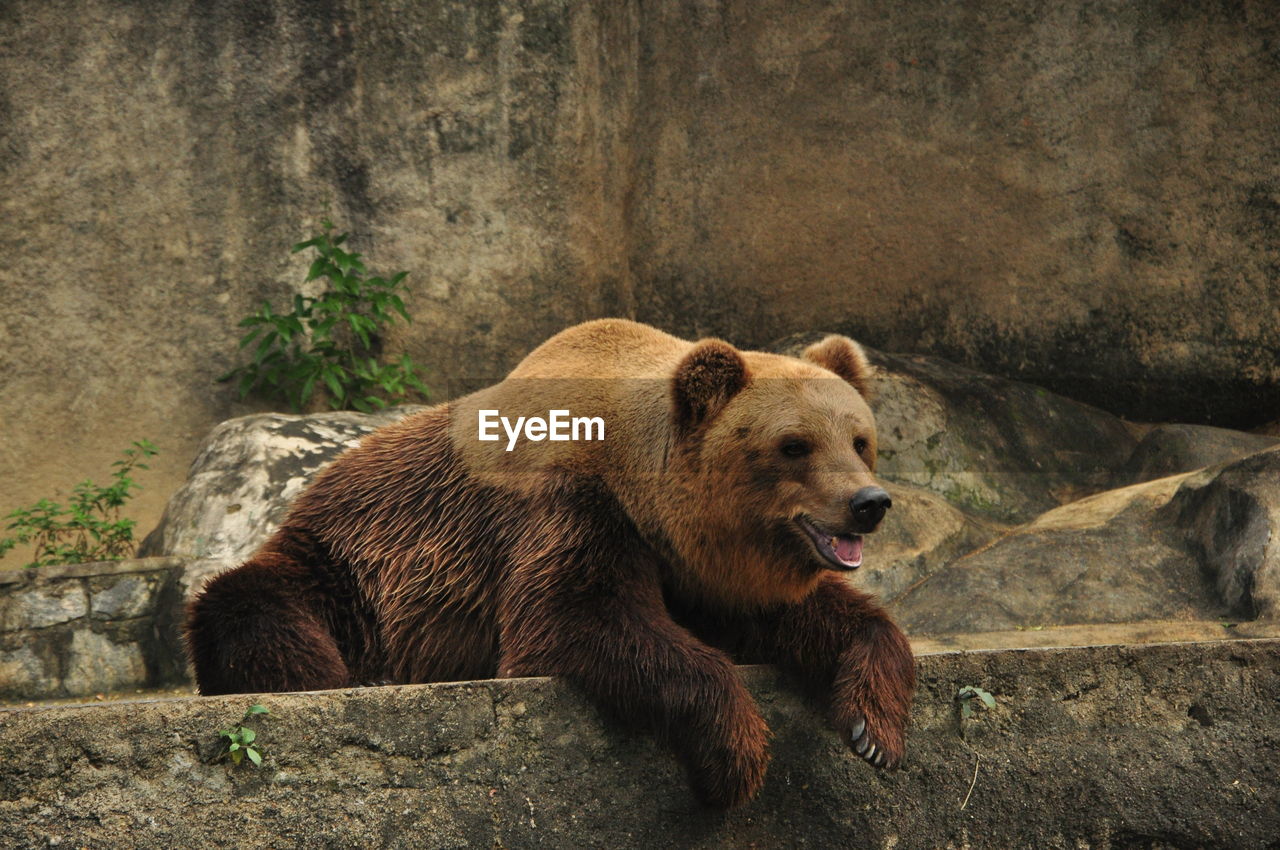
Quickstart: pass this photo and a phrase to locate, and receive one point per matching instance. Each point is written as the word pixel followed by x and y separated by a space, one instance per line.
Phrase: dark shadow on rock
pixel 1174 449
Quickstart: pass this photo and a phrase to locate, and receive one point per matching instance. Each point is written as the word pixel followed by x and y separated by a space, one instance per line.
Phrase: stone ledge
pixel 1158 745
pixel 89 569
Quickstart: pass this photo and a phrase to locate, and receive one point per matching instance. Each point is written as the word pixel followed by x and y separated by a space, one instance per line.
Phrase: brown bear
pixel 714 523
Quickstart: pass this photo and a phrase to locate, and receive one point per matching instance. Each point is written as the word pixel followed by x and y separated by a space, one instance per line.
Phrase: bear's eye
pixel 860 445
pixel 794 448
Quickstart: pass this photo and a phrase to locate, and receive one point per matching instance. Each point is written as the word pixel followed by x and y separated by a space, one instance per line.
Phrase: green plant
pixel 966 697
pixel 333 340
pixel 241 740
pixel 90 528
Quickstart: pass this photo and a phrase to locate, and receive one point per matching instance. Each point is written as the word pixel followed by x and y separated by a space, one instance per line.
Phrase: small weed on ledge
pixel 969 695
pixel 241 740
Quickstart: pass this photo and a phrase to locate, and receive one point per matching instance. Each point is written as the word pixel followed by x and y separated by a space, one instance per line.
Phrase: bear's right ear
pixel 708 376
pixel 846 358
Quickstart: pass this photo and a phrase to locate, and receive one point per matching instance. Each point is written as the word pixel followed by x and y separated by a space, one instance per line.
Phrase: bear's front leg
pixel 845 648
pixel 606 629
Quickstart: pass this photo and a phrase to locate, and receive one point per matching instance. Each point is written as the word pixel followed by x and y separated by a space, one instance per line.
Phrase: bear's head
pixel 773 462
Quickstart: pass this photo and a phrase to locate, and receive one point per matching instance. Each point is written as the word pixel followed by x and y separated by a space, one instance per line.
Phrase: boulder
pixel 920 535
pixel 244 476
pixel 1197 546
pixel 1173 449
pixel 1000 448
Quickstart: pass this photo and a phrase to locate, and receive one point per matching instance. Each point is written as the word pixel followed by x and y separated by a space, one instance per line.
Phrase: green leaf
pixel 258 708
pixel 319 267
pixel 254 757
pixel 335 385
pixel 399 305
pixel 308 385
pixel 264 346
pixel 968 694
pixel 357 323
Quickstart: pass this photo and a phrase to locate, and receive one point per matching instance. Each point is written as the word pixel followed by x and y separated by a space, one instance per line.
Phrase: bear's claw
pixel 867 747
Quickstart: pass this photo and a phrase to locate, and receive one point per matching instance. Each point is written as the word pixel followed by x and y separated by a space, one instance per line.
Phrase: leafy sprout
pixel 241 740
pixel 967 696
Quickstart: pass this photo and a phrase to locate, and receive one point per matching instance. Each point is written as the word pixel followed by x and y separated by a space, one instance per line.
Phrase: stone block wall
pixel 86 628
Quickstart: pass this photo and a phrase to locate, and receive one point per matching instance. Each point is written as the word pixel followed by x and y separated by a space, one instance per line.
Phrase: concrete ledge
pixel 1151 746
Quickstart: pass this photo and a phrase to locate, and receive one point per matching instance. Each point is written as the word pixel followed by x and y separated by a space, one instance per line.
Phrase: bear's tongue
pixel 848 549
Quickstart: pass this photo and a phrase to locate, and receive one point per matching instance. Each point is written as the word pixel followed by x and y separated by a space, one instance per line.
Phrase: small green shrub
pixel 90 528
pixel 332 341
pixel 241 740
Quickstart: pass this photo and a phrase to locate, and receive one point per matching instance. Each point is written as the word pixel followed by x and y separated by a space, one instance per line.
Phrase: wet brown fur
pixel 641 567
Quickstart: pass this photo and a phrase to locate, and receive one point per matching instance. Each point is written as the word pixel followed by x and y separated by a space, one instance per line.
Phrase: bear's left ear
pixel 708 376
pixel 845 357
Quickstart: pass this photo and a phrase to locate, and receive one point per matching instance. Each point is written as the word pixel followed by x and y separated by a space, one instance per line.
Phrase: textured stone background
pixel 1085 195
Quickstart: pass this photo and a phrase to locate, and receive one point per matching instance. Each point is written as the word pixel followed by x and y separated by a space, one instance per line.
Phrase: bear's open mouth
pixel 843 551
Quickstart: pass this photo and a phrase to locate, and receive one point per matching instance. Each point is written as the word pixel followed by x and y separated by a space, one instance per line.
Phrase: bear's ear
pixel 708 376
pixel 845 357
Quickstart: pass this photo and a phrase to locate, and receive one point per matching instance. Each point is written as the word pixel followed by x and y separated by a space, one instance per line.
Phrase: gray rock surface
pixel 1173 449
pixel 1107 747
pixel 247 472
pixel 43 606
pixel 1231 516
pixel 83 629
pixel 1202 545
pixel 920 535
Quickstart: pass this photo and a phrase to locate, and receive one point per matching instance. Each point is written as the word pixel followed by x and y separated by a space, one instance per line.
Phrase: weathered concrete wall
pixel 1084 194
pixel 1158 746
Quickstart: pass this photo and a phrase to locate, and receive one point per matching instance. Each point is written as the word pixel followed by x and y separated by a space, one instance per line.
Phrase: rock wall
pixel 157 161
pixel 86 628
pixel 1157 746
pixel 1084 195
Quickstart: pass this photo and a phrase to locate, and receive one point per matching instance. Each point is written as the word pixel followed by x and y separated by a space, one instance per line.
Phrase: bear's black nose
pixel 868 506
